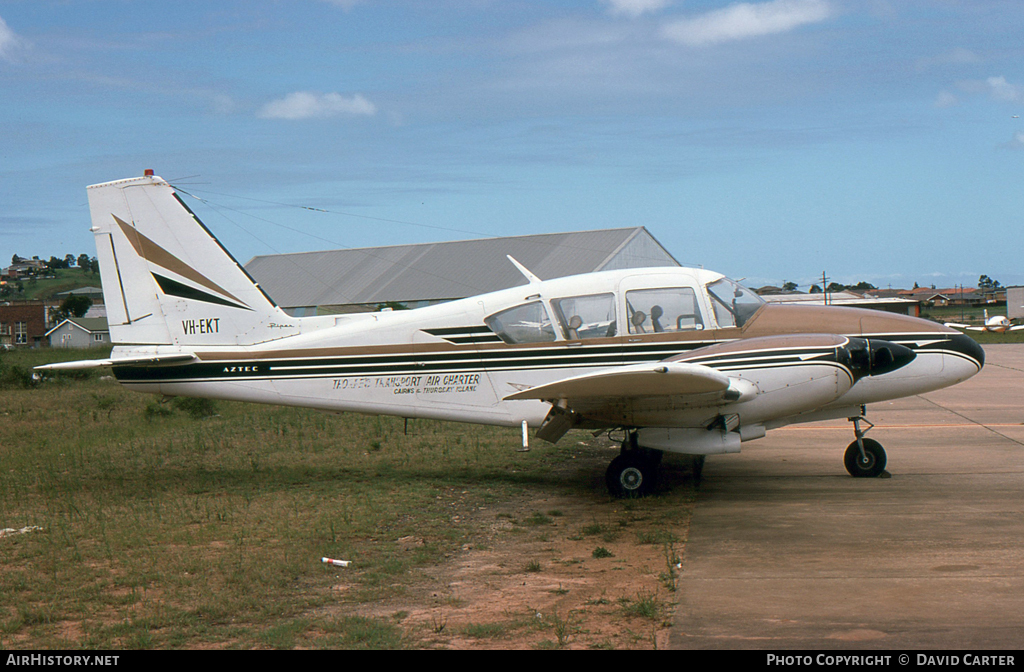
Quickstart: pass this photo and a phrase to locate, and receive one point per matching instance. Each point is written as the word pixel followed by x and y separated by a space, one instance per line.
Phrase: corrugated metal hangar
pixel 356 280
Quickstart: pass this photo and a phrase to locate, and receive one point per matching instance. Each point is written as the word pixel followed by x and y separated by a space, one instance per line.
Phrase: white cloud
pixel 1002 90
pixel 744 20
pixel 634 8
pixel 958 56
pixel 10 43
pixel 1017 142
pixel 996 88
pixel 345 4
pixel 311 105
pixel 222 103
pixel 946 99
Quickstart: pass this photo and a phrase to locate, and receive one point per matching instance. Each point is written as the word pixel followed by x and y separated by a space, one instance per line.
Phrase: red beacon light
pixel 148 172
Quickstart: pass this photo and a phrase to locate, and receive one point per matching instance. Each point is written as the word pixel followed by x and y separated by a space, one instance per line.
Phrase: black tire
pixel 869 466
pixel 631 476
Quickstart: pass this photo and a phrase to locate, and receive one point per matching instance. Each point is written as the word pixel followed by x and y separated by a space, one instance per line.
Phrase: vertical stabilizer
pixel 167 280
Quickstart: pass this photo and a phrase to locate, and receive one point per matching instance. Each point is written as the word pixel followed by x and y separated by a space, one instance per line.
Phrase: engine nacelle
pixel 778 376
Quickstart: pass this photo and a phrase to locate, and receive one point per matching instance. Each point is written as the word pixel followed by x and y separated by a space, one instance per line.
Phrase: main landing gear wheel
pixel 634 473
pixel 868 465
pixel 631 476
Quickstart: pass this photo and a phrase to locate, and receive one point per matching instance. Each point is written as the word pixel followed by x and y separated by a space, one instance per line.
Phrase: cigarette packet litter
pixel 336 563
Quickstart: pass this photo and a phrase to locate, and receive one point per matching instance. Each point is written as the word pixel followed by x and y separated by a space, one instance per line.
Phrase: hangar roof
pixel 447 270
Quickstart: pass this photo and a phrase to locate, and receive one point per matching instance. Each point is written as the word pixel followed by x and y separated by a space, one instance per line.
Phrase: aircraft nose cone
pixel 874 356
pixel 966 346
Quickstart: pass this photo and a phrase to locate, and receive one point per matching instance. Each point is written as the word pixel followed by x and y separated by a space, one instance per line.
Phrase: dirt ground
pixel 572 571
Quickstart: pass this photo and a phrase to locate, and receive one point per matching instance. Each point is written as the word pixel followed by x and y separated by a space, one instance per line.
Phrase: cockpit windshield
pixel 734 304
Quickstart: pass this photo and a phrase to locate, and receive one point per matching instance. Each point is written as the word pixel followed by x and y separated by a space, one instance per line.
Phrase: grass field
pixel 164 524
pixel 986 338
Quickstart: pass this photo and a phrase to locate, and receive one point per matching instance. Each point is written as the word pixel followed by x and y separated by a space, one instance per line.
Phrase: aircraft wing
pixel 956 325
pixel 795 373
pixel 653 379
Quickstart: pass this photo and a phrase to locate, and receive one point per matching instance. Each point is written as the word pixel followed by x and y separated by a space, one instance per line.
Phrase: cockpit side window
pixel 591 316
pixel 734 304
pixel 527 323
pixel 651 311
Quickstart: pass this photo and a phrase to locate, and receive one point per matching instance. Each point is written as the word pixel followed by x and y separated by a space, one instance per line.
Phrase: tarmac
pixel 787 551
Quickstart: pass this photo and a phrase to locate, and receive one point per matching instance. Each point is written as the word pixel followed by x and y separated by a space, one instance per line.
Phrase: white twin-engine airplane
pixel 678 359
pixel 999 324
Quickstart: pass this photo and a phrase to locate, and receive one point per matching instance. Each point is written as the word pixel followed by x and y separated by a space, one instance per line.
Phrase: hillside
pixel 60 280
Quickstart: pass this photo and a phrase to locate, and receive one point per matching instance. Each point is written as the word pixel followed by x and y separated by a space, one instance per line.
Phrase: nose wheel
pixel 864 458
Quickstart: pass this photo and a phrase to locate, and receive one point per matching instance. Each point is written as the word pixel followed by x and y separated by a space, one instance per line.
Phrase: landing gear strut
pixel 864 458
pixel 634 473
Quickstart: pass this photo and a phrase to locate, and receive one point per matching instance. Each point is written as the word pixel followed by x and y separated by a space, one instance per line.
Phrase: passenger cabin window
pixel 590 316
pixel 734 304
pixel 652 311
pixel 528 323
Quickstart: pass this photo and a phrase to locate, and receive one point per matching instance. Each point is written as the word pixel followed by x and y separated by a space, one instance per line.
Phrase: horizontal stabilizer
pixel 638 380
pixel 154 360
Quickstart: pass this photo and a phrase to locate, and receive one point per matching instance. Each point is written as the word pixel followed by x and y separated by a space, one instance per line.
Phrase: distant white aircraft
pixel 671 359
pixel 998 324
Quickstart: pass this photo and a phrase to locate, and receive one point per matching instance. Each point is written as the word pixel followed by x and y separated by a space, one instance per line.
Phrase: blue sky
pixel 771 140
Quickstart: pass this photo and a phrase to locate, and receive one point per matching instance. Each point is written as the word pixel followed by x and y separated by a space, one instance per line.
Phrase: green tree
pixel 74 306
pixel 985 282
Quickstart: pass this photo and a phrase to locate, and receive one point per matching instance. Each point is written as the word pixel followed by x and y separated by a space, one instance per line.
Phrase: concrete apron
pixel 786 551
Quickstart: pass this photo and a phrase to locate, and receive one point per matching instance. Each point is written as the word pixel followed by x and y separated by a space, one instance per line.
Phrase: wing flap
pixel 656 379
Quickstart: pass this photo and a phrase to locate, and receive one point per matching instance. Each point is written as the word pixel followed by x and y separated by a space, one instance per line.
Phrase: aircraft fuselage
pixel 447 361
